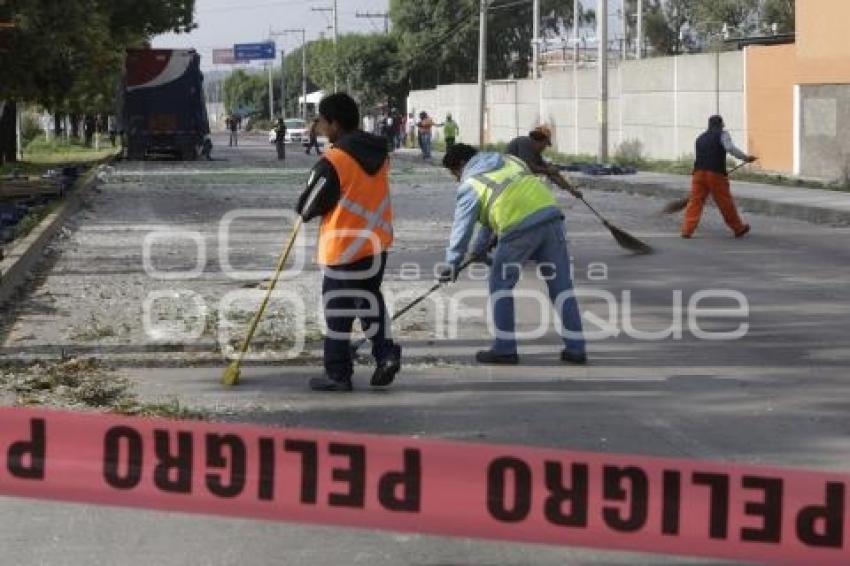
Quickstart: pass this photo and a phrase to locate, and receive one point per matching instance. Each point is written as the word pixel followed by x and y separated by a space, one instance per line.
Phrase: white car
pixel 296 131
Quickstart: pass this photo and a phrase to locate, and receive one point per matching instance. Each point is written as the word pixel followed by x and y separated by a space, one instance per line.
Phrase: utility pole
pixel 377 15
pixel 271 86
pixel 623 30
pixel 283 83
pixel 482 71
pixel 333 10
pixel 304 75
pixel 303 33
pixel 271 93
pixel 18 136
pixel 602 38
pixel 639 31
pixel 576 15
pixel 535 46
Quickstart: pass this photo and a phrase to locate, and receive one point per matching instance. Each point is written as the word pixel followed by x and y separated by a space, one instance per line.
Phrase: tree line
pixel 67 55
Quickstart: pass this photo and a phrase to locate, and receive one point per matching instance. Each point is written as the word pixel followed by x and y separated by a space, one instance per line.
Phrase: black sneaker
pixel 328 384
pixel 572 358
pixel 491 357
pixel 387 369
pixel 743 231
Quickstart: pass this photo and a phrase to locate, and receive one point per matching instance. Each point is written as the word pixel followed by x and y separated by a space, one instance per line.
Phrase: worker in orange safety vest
pixel 349 189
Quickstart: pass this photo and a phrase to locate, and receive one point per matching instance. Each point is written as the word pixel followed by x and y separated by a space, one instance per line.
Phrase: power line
pixel 453 30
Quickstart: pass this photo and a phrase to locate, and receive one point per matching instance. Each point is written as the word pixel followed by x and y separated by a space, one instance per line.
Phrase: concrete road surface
pixel 158 274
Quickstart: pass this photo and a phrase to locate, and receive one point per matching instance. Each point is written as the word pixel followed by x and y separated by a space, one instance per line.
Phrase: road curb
pixel 784 206
pixel 25 255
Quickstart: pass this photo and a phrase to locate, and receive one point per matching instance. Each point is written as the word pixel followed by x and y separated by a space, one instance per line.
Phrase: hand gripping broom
pixel 231 374
pixel 356 345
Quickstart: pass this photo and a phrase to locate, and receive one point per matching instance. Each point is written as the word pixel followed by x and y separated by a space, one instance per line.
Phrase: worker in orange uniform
pixel 349 188
pixel 711 178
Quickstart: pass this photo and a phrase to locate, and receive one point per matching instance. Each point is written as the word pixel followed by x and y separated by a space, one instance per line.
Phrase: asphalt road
pixel 776 395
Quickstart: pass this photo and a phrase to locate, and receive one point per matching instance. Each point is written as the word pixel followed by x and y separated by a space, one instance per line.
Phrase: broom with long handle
pixel 622 237
pixel 680 204
pixel 356 345
pixel 231 374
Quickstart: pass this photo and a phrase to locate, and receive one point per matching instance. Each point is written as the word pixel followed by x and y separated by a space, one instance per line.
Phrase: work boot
pixel 743 231
pixel 573 358
pixel 491 357
pixel 386 369
pixel 328 383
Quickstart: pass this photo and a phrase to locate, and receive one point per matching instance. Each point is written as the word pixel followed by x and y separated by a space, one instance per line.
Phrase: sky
pixel 221 23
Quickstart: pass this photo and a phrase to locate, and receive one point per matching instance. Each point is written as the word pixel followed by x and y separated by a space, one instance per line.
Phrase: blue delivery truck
pixel 161 105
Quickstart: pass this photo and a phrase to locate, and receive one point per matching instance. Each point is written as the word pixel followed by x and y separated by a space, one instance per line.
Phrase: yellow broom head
pixel 230 377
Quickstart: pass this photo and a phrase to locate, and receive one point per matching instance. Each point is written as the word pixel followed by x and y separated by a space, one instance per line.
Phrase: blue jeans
pixel 547 245
pixel 425 144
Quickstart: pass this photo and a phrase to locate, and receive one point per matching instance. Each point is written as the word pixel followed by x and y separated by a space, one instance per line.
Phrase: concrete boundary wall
pixel 663 103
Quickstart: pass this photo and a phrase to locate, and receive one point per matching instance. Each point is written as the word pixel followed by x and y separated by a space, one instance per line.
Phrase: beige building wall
pixel 665 105
pixel 823 48
pixel 771 73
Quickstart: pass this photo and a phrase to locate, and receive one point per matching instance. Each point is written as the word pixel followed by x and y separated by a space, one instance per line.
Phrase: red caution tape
pixel 624 502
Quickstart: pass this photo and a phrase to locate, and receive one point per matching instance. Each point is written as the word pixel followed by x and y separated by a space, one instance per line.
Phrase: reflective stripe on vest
pixel 361 224
pixel 497 187
pixel 373 220
pixel 509 195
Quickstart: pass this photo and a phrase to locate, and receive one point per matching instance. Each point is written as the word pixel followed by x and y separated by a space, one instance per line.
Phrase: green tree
pixel 68 55
pixel 245 92
pixel 369 64
pixel 701 21
pixel 780 12
pixel 438 39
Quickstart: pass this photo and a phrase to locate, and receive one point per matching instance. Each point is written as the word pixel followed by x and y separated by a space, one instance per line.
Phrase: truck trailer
pixel 161 104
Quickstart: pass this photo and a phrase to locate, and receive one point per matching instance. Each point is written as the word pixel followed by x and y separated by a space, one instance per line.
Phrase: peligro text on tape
pixel 609 501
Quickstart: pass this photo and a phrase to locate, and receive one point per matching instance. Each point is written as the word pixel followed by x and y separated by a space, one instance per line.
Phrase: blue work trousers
pixel 545 244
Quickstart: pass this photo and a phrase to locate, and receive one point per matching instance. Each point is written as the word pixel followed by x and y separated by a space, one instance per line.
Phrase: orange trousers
pixel 704 183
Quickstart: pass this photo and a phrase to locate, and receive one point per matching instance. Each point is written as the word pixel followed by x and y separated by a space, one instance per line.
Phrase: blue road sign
pixel 249 51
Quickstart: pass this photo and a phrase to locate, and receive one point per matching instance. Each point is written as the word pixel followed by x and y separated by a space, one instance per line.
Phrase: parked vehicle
pixel 296 131
pixel 161 104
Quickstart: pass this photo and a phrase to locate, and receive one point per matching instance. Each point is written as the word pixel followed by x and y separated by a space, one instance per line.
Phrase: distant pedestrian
pixel 398 128
pixel 711 178
pixel 388 131
pixel 113 133
pixel 424 125
pixel 313 137
pixel 233 125
pixel 411 130
pixel 280 139
pixel 89 126
pixel 450 131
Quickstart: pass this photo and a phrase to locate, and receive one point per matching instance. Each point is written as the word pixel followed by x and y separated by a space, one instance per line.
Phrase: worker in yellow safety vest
pixel 349 188
pixel 512 204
